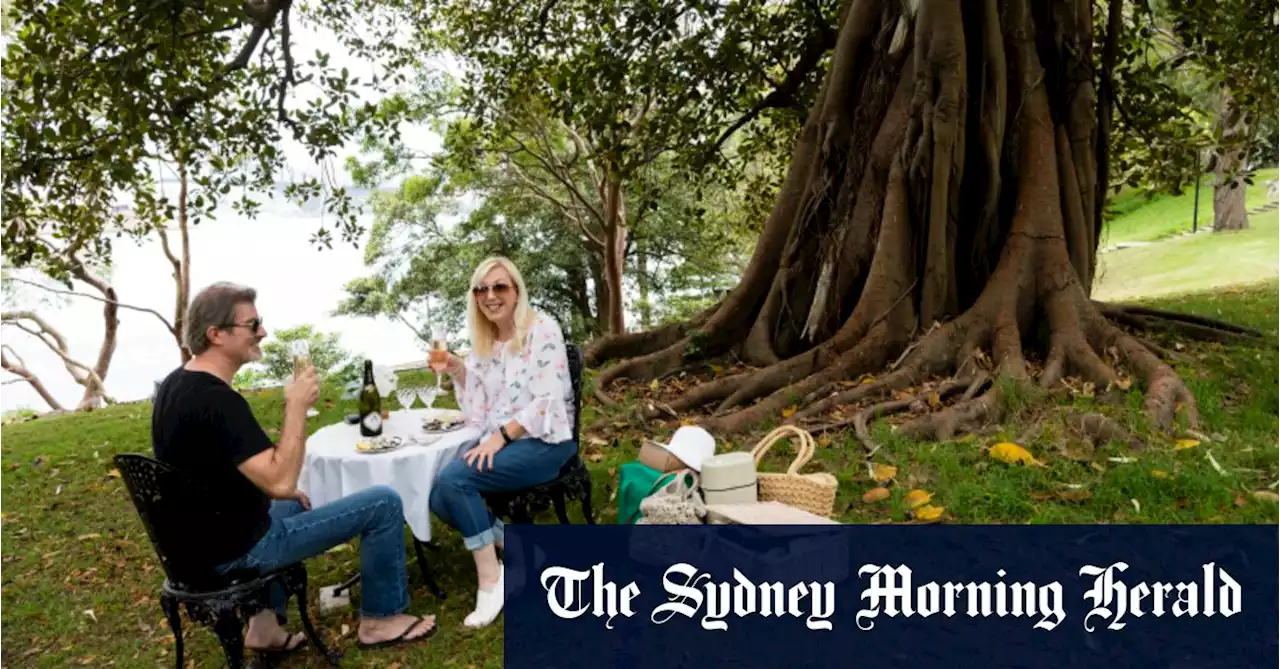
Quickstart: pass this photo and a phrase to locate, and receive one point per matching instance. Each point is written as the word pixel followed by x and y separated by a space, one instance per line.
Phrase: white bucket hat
pixel 692 445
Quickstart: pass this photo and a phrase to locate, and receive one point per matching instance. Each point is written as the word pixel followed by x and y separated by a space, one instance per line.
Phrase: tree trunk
pixel 94 390
pixel 1229 186
pixel 615 237
pixel 937 218
pixel 183 277
pixel 642 279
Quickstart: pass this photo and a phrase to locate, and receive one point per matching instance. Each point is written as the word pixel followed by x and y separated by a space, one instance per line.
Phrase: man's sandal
pixel 403 638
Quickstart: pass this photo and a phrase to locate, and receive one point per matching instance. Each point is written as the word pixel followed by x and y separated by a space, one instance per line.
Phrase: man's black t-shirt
pixel 204 427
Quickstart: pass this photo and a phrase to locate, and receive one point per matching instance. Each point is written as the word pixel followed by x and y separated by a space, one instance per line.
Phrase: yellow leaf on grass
pixel 790 411
pixel 595 457
pixel 654 386
pixel 1161 474
pixel 883 473
pixel 1012 453
pixel 1266 496
pixel 114 473
pixel 717 369
pixel 876 494
pixel 1183 444
pixel 934 400
pixel 917 498
pixel 869 379
pixel 929 512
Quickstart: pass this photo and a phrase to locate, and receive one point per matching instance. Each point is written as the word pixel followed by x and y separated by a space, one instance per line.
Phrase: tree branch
pixel 104 300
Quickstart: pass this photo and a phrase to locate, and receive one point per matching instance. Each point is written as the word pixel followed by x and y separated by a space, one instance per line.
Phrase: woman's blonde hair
pixel 483 331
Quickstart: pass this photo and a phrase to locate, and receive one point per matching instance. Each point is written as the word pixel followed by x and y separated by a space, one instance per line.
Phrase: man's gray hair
pixel 213 307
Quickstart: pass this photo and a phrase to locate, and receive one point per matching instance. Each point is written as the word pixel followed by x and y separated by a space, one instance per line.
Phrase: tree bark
pixel 952 157
pixel 181 267
pixel 615 237
pixel 1229 186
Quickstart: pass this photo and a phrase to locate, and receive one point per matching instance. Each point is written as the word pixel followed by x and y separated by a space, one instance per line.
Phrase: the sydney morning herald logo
pixel 890 591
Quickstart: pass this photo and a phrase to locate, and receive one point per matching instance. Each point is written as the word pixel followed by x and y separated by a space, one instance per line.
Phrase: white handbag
pixel 676 503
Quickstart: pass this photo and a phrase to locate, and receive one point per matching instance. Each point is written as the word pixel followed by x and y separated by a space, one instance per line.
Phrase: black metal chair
pixel 164 497
pixel 572 483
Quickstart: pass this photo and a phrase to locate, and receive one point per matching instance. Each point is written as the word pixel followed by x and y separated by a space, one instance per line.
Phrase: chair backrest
pixel 165 498
pixel 576 363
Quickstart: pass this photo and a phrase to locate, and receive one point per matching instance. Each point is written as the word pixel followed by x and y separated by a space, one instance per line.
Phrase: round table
pixel 333 468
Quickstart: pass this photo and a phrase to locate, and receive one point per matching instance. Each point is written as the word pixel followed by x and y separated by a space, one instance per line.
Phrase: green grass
pixel 72 542
pixel 1138 218
pixel 1193 263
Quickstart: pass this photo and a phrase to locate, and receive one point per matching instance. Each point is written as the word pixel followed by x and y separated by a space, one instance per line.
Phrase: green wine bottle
pixel 370 404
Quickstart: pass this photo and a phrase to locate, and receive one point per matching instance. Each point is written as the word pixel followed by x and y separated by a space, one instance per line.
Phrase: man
pixel 256 518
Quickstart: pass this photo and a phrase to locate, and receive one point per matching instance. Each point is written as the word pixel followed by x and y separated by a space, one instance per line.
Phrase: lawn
pixel 1192 263
pixel 1139 218
pixel 80 578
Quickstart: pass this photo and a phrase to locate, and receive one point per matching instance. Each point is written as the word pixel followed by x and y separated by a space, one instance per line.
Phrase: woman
pixel 514 386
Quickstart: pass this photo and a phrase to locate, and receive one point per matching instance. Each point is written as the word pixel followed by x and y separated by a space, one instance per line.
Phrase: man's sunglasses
pixel 497 289
pixel 253 325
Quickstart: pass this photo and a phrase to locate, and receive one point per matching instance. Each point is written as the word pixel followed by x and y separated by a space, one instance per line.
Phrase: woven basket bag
pixel 815 493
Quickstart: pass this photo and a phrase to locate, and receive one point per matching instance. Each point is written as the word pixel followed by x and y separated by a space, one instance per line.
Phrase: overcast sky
pixel 297 283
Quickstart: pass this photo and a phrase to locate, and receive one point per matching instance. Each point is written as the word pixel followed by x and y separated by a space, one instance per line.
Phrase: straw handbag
pixel 675 503
pixel 815 493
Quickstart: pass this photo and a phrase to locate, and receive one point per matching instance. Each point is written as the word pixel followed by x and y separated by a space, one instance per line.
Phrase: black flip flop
pixel 402 638
pixel 283 650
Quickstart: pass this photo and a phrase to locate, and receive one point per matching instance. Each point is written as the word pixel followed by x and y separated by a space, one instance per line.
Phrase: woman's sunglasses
pixel 496 289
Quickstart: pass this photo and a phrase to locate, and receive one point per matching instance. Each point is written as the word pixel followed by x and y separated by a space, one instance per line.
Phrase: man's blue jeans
pixel 456 500
pixel 374 514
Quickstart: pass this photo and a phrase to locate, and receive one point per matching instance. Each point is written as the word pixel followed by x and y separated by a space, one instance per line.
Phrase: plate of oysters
pixel 381 444
pixel 442 421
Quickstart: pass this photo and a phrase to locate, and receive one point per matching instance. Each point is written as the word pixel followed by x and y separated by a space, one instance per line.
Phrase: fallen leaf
pixel 877 494
pixel 717 369
pixel 929 512
pixel 1097 467
pixel 597 441
pixel 1123 460
pixel 114 473
pixel 1266 496
pixel 1012 453
pixel 1074 495
pixel 790 411
pixel 1216 467
pixel 339 548
pixel 869 379
pixel 1136 506
pixel 824 440
pixel 654 386
pixel 882 473
pixel 934 400
pixel 86 537
pixel 89 612
pixel 596 456
pixel 1241 501
pixel 1183 444
pixel 1123 383
pixel 1161 474
pixel 916 498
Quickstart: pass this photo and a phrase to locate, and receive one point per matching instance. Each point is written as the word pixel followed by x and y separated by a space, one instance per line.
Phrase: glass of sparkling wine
pixel 301 353
pixel 439 358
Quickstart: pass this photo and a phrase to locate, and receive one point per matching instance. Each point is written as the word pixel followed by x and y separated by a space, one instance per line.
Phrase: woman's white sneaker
pixel 488 602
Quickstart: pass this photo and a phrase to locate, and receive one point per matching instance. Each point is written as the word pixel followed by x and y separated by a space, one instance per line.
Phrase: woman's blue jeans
pixel 374 514
pixel 456 500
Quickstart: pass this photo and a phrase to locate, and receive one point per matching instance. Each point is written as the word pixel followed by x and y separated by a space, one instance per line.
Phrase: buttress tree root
pixel 939 219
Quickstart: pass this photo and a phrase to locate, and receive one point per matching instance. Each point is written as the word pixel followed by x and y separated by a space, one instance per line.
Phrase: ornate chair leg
pixel 557 500
pixel 587 513
pixel 173 614
pixel 520 513
pixel 426 572
pixel 295 582
pixel 230 631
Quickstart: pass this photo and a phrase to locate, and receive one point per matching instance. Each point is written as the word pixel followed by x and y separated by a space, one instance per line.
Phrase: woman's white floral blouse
pixel 532 386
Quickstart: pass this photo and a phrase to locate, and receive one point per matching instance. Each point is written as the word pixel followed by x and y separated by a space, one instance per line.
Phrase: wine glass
pixel 406 395
pixel 300 350
pixel 439 360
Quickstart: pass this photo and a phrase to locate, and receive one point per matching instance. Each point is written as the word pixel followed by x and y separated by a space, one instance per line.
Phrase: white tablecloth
pixel 333 468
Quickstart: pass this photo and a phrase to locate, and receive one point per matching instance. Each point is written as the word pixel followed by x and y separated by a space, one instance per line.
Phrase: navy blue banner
pixel 858 595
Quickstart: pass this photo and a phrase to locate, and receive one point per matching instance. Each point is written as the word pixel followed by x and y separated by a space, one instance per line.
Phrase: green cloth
pixel 637 481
